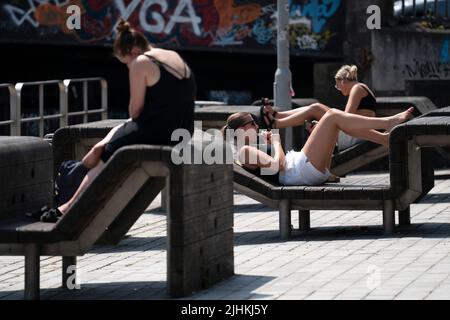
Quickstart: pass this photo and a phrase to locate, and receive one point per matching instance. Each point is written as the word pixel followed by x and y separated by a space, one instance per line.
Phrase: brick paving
pixel 344 256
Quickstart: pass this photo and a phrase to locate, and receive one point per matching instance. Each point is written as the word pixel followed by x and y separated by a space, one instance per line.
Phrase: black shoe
pixel 52 215
pixel 37 214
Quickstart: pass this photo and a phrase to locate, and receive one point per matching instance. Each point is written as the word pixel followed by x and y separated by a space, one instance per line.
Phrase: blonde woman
pixel 361 101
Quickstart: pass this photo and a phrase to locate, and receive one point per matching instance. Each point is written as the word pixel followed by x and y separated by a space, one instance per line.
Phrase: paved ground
pixel 345 256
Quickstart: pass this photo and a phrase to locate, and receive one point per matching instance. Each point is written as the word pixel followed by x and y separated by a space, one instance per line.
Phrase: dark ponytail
pixel 127 38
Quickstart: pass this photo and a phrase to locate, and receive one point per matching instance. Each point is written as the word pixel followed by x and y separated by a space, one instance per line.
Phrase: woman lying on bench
pixel 311 165
pixel 162 99
pixel 361 101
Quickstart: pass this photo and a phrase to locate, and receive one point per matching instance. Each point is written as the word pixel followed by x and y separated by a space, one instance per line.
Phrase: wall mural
pixel 316 26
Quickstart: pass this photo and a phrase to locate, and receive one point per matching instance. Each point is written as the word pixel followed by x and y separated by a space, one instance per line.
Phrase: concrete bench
pixel 367 152
pixel 410 178
pixel 25 182
pixel 200 219
pixel 441 112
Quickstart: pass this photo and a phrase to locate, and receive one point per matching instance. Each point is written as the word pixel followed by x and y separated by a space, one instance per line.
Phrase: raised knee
pixel 318 109
pixel 98 148
pixel 321 107
pixel 331 114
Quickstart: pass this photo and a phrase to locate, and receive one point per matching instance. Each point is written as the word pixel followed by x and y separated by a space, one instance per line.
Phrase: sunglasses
pixel 340 83
pixel 251 121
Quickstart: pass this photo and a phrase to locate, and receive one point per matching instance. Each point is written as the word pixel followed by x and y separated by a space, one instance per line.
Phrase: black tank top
pixel 368 102
pixel 170 94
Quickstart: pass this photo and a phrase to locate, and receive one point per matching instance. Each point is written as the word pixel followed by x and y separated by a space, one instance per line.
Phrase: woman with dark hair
pixel 162 99
pixel 311 165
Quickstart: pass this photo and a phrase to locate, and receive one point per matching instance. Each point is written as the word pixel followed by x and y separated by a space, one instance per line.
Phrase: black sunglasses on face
pixel 251 121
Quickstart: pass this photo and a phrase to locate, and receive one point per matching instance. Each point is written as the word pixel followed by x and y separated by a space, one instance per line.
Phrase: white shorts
pixel 300 171
pixel 345 141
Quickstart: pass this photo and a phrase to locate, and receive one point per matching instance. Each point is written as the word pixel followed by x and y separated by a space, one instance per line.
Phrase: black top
pixel 266 148
pixel 368 102
pixel 169 96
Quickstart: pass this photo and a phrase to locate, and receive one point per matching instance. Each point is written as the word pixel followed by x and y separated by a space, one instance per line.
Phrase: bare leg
pixel 321 143
pixel 91 161
pixel 92 158
pixel 374 136
pixel 84 184
pixel 297 117
pixel 284 114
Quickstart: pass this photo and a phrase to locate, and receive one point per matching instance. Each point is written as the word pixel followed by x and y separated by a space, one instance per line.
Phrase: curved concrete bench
pixel 410 178
pixel 367 152
pixel 200 219
pixel 25 178
pixel 387 106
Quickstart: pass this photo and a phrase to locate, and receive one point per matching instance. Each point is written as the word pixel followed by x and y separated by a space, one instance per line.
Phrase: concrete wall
pixel 401 56
pixel 324 90
pixel 357 44
pixel 356 49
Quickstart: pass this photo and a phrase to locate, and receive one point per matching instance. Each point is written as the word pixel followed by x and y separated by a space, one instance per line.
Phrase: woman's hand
pixel 266 136
pixel 275 138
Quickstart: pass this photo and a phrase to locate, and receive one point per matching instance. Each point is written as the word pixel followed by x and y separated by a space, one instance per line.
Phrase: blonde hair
pixel 347 72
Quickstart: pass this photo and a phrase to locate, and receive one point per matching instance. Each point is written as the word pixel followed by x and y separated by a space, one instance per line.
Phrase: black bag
pixel 70 175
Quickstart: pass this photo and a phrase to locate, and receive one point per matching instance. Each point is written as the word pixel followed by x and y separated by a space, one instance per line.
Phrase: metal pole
pixel 85 101
pixel 41 110
pixel 104 88
pixel 283 75
pixel 63 103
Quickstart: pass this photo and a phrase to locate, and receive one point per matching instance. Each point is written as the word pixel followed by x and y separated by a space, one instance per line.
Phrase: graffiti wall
pixel 406 56
pixel 316 26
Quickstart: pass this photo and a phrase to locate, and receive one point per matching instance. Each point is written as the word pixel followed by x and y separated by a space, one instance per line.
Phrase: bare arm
pixel 356 94
pixel 137 86
pixel 253 158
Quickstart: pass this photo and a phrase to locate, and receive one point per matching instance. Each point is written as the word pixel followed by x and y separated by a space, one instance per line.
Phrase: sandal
pixel 52 215
pixel 267 118
pixel 266 103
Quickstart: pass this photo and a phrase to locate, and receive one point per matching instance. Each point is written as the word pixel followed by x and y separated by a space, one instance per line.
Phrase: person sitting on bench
pixel 311 165
pixel 361 101
pixel 162 99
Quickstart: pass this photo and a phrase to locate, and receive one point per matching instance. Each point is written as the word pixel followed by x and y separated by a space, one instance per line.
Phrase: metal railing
pixel 16 95
pixel 428 10
pixel 13 119
pixel 41 117
pixel 103 110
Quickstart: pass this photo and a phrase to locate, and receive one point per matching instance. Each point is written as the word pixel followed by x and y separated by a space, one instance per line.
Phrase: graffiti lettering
pixel 307 42
pixel 319 13
pixel 262 34
pixel 159 21
pixel 245 25
pixel 178 18
pixel 427 70
pixel 19 16
pixel 159 26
